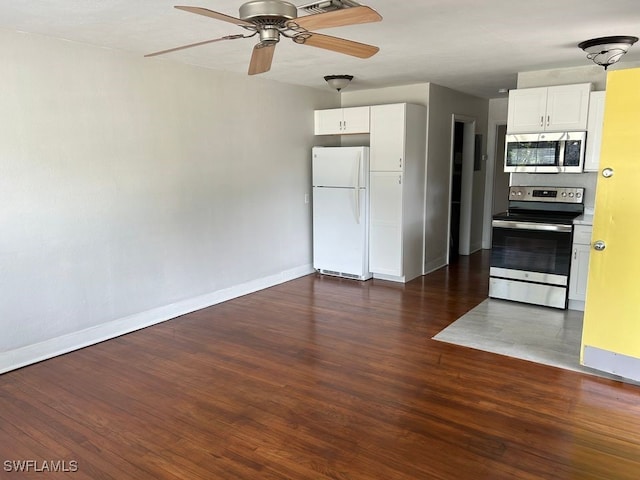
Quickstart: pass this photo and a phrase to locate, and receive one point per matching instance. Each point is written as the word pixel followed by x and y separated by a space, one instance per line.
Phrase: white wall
pixel 417 94
pixel 498 108
pixel 443 103
pixel 564 76
pixel 135 190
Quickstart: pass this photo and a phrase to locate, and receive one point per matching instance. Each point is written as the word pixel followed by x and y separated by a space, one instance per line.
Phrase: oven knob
pixel 519 193
pixel 571 194
pixel 564 194
pixel 578 195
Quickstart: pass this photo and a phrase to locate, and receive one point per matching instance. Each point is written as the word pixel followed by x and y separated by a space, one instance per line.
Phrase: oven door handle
pixel 531 226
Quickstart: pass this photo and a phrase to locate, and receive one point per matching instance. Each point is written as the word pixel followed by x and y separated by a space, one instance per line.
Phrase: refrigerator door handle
pixel 357 189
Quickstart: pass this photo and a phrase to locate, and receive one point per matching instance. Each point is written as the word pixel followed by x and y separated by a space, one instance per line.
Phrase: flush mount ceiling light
pixel 338 82
pixel 606 51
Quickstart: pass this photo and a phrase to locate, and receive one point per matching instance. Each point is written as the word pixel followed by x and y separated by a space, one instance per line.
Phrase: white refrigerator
pixel 341 211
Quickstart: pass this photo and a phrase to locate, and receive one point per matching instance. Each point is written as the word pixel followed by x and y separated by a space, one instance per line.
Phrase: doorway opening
pixel 461 186
pixel 456 192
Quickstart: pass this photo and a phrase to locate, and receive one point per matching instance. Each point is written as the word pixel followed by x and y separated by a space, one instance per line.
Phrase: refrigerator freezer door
pixel 339 167
pixel 340 232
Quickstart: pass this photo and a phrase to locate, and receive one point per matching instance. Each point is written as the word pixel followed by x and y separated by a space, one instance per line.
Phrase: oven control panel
pixel 547 194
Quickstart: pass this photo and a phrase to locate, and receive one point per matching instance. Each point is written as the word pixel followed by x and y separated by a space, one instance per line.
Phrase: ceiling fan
pixel 269 19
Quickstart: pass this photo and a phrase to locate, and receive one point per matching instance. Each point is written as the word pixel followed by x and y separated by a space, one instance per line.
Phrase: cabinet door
pixel 567 107
pixel 328 122
pixel 594 131
pixel 387 139
pixel 579 272
pixel 355 120
pixel 527 110
pixel 385 223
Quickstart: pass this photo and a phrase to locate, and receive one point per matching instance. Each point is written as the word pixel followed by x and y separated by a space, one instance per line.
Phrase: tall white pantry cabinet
pixel 397 183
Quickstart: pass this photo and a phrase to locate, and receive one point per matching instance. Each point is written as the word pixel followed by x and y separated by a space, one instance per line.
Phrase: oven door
pixel 530 262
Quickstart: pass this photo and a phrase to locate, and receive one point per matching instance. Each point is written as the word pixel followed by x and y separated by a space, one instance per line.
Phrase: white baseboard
pixel 434 265
pixel 611 362
pixel 389 278
pixel 37 352
pixel 474 249
pixel 576 305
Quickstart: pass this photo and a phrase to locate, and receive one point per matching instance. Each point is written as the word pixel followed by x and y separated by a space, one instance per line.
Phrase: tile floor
pixel 539 334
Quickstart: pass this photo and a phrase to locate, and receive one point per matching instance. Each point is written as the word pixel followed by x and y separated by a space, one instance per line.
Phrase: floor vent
pixel 340 274
pixel 327 6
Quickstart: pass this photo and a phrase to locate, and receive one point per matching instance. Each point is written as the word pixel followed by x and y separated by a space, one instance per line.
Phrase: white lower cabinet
pixel 579 273
pixel 385 223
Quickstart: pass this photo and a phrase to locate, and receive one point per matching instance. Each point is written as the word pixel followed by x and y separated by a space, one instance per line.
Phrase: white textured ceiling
pixel 475 46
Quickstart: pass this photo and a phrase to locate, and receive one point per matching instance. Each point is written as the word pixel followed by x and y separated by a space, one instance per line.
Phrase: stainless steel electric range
pixel 531 245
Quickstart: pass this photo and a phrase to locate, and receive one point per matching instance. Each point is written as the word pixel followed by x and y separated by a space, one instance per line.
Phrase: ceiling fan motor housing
pixel 269 12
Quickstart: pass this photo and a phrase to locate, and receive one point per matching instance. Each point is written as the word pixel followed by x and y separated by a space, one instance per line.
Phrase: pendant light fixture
pixel 605 51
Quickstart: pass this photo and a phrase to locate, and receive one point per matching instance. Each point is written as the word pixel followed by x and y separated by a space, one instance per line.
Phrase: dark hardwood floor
pixel 317 378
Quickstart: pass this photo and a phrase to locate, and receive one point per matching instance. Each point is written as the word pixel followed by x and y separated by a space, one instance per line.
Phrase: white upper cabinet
pixel 388 136
pixel 594 132
pixel 548 109
pixel 342 121
pixel 527 109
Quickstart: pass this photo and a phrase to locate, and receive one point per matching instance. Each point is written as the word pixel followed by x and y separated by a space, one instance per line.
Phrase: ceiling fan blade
pixel 338 18
pixel 210 13
pixel 340 45
pixel 161 52
pixel 261 58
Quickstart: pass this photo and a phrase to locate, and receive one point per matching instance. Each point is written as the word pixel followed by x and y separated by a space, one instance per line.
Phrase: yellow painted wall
pixel 612 312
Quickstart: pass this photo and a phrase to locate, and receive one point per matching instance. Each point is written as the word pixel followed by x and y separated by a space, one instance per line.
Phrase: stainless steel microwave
pixel 553 152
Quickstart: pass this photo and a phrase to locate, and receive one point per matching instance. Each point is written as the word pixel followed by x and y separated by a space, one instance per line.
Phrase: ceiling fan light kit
pixel 269 19
pixel 605 51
